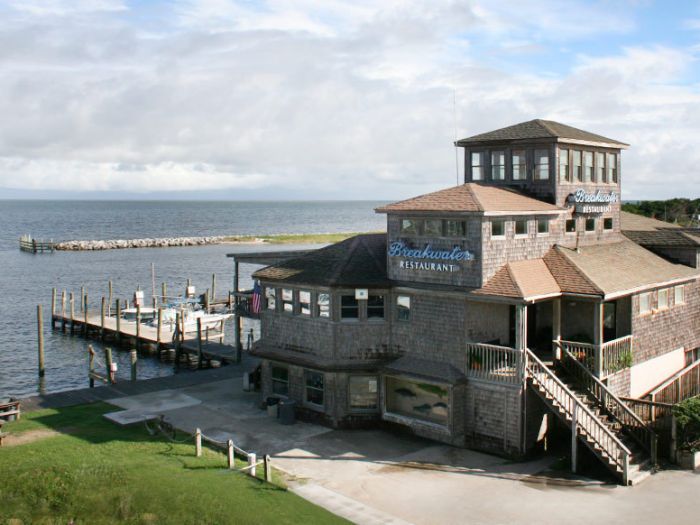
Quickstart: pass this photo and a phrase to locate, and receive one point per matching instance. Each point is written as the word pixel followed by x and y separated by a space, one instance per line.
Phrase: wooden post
pixel 199 342
pixel 40 339
pixel 85 315
pixel 108 364
pixel 556 327
pixel 160 327
pixel 109 298
pixel 231 462
pixel 91 366
pixel 119 320
pixel 213 288
pixel 187 287
pixel 252 460
pixel 230 301
pixel 520 326
pixel 138 327
pixel 53 308
pixel 268 468
pixel 154 302
pixel 63 310
pixel 103 311
pixel 574 440
pixel 236 313
pixel 176 335
pixel 134 361
pixel 206 301
pixel 164 293
pixel 598 325
pixel 198 443
pixel 72 312
pixel 82 297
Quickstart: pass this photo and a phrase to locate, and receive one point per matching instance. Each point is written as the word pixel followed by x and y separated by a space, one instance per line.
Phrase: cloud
pixel 317 98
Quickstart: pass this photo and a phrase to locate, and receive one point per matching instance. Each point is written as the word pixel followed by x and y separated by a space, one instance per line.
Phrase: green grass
pixel 293 238
pixel 97 472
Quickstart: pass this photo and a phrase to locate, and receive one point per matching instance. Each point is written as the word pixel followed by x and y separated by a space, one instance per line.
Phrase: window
pixel 455 228
pixel 498 165
pixel 432 227
pixel 280 380
pixel 287 300
pixel 577 175
pixel 542 226
pixel 644 303
pixel 375 307
pixel 519 165
pixel 304 302
pixel 363 392
pixel 571 226
pixel 410 226
pixel 314 387
pixel 662 299
pixel 679 294
pixel 612 168
pixel 608 223
pixel 477 165
pixel 271 296
pixel 590 225
pixel 521 227
pixel 564 174
pixel 600 167
pixel 424 401
pixel 349 307
pixel 588 175
pixel 498 228
pixel 403 307
pixel 324 304
pixel 541 164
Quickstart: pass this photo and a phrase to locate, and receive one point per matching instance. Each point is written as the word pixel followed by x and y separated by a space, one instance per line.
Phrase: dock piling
pixel 85 314
pixel 72 312
pixel 109 364
pixel 40 338
pixel 53 307
pixel 134 362
pixel 82 297
pixel 159 328
pixel 163 293
pixel 138 326
pixel 213 288
pixel 268 468
pixel 63 310
pixel 109 298
pixel 199 342
pixel 102 318
pixel 206 301
pixel 119 320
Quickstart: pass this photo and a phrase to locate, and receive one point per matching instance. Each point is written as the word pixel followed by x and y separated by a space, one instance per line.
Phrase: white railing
pixel 501 364
pixel 602 360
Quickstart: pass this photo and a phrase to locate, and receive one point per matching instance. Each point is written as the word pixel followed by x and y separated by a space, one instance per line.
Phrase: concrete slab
pixel 128 417
pixel 156 402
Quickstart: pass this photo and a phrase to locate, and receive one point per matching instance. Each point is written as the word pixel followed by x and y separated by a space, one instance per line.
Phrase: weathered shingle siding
pixel 493 420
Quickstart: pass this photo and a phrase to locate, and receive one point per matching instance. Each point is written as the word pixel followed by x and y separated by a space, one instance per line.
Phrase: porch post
pixel 556 326
pixel 520 326
pixel 598 337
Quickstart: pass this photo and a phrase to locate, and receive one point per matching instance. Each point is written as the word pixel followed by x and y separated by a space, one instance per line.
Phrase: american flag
pixel 257 298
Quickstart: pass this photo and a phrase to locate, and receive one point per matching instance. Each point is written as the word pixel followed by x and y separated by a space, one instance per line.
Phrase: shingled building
pixel 490 308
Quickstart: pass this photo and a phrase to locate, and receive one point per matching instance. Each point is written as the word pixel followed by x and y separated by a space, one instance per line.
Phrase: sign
pixel 428 258
pixel 592 202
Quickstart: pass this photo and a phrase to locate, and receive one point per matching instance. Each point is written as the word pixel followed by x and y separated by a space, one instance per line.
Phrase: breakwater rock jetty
pixel 117 244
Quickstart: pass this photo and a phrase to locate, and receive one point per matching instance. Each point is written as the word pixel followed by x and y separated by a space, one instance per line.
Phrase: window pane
pixel 497 228
pixel 521 227
pixel 570 225
pixel 600 167
pixel 324 305
pixel 270 294
pixel 644 303
pixel 608 223
pixel 590 225
pixel 403 307
pixel 588 175
pixel 564 165
pixel 519 165
pixel 280 380
pixel 432 227
pixel 375 307
pixel 577 175
pixel 541 164
pixel 424 401
pixel 455 228
pixel 349 307
pixel 477 166
pixel 314 387
pixel 612 168
pixel 542 225
pixel 287 300
pixel 363 392
pixel 498 165
pixel 410 226
pixel 679 294
pixel 663 299
pixel 305 302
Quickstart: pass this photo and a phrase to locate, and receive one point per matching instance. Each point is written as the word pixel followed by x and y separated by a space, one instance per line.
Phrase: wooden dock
pixel 28 244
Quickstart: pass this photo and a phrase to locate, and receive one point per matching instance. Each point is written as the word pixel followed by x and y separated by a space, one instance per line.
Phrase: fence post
pixel 198 443
pixel 91 366
pixel 231 461
pixel 134 362
pixel 252 460
pixel 268 468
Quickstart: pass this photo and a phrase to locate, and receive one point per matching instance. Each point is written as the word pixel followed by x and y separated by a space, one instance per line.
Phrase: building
pixel 492 309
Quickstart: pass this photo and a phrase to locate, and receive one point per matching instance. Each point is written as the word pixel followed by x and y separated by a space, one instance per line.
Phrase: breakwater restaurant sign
pixel 592 202
pixel 428 258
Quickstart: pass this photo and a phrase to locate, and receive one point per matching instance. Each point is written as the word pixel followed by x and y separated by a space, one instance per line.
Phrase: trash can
pixel 272 406
pixel 287 415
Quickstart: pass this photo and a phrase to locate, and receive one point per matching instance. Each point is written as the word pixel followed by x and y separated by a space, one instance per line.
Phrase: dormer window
pixel 498 165
pixel 541 164
pixel 477 165
pixel 519 165
pixel 588 175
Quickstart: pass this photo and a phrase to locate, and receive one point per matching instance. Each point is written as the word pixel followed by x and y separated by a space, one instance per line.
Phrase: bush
pixel 687 415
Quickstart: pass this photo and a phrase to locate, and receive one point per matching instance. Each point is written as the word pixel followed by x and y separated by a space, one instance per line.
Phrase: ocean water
pixel 26 279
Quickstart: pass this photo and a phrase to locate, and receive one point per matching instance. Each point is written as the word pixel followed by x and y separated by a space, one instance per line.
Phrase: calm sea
pixel 26 279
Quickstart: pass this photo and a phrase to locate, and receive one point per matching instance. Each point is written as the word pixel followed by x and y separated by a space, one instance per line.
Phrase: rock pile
pixel 137 243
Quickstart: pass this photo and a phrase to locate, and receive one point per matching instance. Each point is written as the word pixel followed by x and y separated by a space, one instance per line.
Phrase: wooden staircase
pixel 597 418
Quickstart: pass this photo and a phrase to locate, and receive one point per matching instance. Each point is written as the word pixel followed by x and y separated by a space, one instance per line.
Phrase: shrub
pixel 687 415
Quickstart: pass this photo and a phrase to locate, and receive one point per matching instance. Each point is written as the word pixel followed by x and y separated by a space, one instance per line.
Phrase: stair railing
pixel 613 405
pixel 581 416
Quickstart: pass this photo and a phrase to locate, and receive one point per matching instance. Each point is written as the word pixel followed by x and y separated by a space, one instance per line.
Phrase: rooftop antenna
pixel 454 110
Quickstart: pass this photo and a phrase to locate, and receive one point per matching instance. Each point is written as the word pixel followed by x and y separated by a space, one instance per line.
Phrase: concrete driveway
pixel 380 477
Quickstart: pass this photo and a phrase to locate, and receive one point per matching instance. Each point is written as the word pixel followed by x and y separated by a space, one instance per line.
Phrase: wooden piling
pixel 63 310
pixel 91 366
pixel 53 307
pixel 72 312
pixel 134 361
pixel 213 288
pixel 206 301
pixel 199 342
pixel 138 326
pixel 231 461
pixel 40 339
pixel 85 315
pixel 102 318
pixel 187 288
pixel 109 298
pixel 176 335
pixel 108 364
pixel 163 293
pixel 118 320
pixel 82 297
pixel 159 328
pixel 198 443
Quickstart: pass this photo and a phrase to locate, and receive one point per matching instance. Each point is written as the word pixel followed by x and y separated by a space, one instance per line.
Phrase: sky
pixel 328 99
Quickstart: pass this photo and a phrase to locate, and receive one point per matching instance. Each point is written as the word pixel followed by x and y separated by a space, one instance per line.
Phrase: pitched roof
pixel 613 269
pixel 472 198
pixel 425 368
pixel 652 232
pixel 357 261
pixel 539 129
pixel 521 279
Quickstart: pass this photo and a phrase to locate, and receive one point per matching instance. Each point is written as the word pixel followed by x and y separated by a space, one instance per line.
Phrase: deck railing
pixel 602 360
pixel 610 403
pixel 501 364
pixel 658 417
pixel 683 385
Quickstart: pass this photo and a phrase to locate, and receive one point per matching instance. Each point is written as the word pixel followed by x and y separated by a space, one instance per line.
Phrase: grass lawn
pixel 77 465
pixel 301 238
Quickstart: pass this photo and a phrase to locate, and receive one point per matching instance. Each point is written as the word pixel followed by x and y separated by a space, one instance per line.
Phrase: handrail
pixel 678 376
pixel 612 404
pixel 494 363
pixel 600 434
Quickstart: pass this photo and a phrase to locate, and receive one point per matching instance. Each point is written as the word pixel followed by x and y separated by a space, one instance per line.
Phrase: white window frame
pixel 501 167
pixel 540 174
pixel 503 224
pixel 515 228
pixel 647 297
pixel 676 289
pixel 479 167
pixel 548 223
pixel 663 292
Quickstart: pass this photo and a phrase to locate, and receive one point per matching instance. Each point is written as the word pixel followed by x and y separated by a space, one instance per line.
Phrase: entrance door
pixel 609 321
